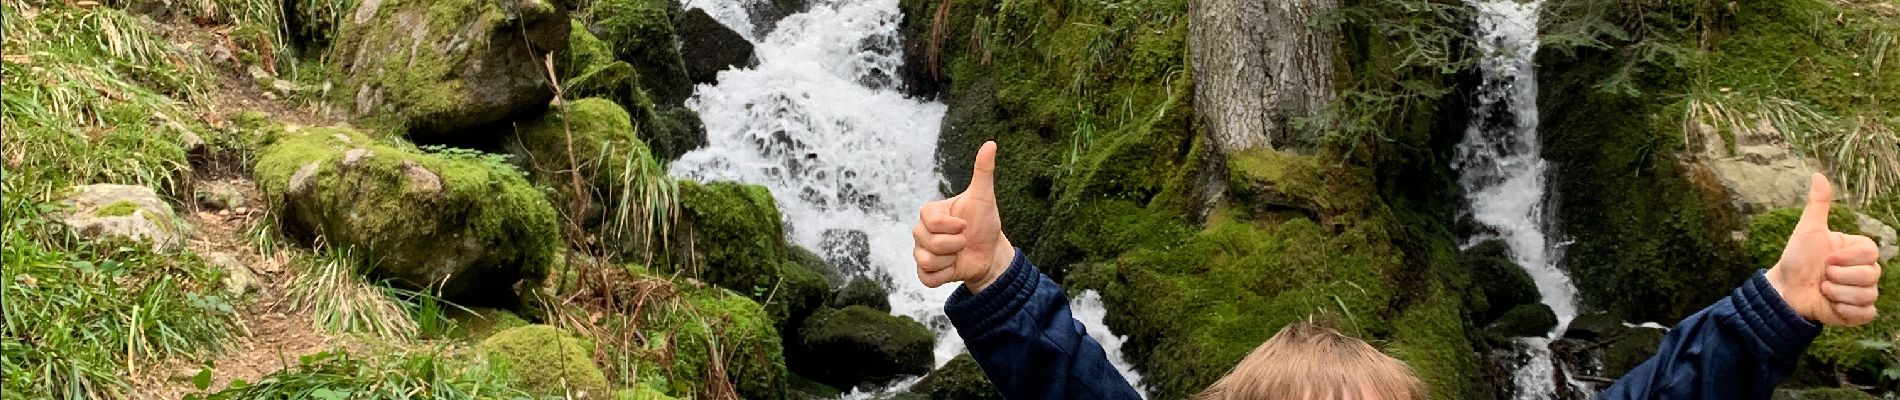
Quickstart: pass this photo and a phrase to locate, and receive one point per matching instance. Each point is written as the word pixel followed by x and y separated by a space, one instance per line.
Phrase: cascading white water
pixel 1504 176
pixel 849 158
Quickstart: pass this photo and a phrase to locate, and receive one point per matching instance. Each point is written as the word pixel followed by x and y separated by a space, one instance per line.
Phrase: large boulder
pixel 641 32
pixel 591 68
pixel 862 292
pixel 857 345
pixel 548 361
pixel 467 225
pixel 437 68
pixel 1528 320
pixel 710 47
pixel 124 212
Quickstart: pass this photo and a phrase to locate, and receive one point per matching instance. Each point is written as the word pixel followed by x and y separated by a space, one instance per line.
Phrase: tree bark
pixel 1258 65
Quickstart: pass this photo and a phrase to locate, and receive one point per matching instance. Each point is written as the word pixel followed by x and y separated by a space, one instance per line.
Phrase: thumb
pixel 1820 199
pixel 982 180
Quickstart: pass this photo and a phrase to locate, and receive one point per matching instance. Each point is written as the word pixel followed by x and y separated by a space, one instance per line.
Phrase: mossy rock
pixel 1266 180
pixel 466 226
pixel 547 361
pixel 858 345
pixel 734 234
pixel 642 33
pixel 124 213
pixel 600 133
pixel 1621 347
pixel 437 68
pixel 960 379
pixel 479 323
pixel 862 292
pixel 1528 320
pixel 801 290
pixel 1502 285
pixel 592 69
pixel 712 322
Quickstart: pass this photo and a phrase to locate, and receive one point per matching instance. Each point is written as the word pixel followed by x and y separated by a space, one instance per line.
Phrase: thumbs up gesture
pixel 960 239
pixel 1827 276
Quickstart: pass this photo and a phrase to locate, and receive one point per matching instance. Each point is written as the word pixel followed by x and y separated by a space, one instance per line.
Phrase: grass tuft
pixel 331 287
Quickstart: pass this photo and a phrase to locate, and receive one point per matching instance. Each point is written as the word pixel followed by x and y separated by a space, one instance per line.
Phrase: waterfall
pixel 847 156
pixel 1504 177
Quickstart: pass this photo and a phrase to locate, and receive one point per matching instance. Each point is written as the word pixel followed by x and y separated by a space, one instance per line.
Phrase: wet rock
pixel 709 47
pixel 1606 345
pixel 858 345
pixel 440 68
pixel 461 225
pixel 1528 320
pixel 765 15
pixel 124 212
pixel 960 379
pixel 1505 285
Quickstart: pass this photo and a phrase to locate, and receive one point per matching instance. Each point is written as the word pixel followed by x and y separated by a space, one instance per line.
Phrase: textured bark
pixel 1258 65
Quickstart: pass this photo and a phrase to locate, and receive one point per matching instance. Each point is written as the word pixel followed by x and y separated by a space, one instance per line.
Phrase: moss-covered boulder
pixel 1502 285
pixel 609 159
pixel 862 292
pixel 709 322
pixel 642 33
pixel 804 285
pixel 959 379
pixel 732 234
pixel 467 225
pixel 438 67
pixel 857 345
pixel 548 361
pixel 479 323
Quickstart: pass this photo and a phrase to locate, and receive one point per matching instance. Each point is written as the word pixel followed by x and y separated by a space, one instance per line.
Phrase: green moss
pixel 736 239
pixel 386 208
pixel 591 68
pixel 118 209
pixel 481 323
pixel 862 292
pixel 960 379
pixel 602 139
pixel 641 31
pixel 411 58
pixel 712 322
pixel 641 392
pixel 548 361
pixel 1768 232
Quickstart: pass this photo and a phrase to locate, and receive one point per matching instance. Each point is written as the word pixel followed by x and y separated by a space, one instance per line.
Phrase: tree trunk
pixel 1258 65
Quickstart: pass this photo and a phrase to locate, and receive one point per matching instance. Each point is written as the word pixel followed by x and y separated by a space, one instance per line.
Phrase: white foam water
pixel 1504 177
pixel 848 157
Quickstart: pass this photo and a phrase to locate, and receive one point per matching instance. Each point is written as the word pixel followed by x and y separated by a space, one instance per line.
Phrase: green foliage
pixel 420 375
pixel 332 287
pixel 79 319
pixel 547 361
pixel 620 175
pixel 712 335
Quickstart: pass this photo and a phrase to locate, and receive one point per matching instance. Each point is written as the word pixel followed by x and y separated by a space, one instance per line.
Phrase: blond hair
pixel 1309 362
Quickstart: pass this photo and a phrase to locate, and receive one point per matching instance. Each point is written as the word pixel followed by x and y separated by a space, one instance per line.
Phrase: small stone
pixel 224 213
pixel 238 278
pixel 186 374
pixel 420 179
pixel 26 280
pixel 219 195
pixel 193 143
pixel 341 137
pixel 355 156
pixel 242 210
pixel 300 181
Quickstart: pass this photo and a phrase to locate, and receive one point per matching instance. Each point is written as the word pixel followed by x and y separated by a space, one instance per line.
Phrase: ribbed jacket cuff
pixel 982 312
pixel 1776 324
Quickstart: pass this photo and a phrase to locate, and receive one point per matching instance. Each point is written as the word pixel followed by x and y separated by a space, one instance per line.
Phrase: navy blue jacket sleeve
pixel 1739 348
pixel 1019 329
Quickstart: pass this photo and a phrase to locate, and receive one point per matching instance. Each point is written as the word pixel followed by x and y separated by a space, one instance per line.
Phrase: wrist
pixel 999 264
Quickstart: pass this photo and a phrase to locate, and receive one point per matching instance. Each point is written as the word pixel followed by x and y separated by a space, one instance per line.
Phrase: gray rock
pixel 238 278
pixel 218 195
pixel 1888 239
pixel 1761 173
pixel 124 212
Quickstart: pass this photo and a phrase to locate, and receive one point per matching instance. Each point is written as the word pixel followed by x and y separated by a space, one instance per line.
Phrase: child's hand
pixel 960 239
pixel 1827 276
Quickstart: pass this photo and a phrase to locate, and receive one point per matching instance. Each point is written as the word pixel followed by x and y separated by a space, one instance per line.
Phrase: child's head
pixel 1308 362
